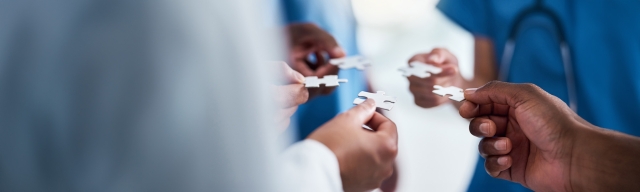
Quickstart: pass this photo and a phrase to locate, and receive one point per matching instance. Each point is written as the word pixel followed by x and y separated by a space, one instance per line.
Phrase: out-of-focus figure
pixel 166 96
pixel 135 96
pixel 336 17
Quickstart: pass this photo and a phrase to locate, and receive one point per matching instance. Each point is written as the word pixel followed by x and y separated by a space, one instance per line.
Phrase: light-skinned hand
pixel 366 158
pixel 290 95
pixel 450 76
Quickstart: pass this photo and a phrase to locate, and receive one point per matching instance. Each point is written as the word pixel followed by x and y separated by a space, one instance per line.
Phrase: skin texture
pixel 450 76
pixel 366 158
pixel 308 39
pixel 485 71
pixel 533 138
pixel 290 95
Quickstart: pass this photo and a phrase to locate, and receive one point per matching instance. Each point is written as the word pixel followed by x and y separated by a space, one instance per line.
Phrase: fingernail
pixel 484 128
pixel 503 160
pixel 470 90
pixel 500 145
pixel 338 51
pixel 370 102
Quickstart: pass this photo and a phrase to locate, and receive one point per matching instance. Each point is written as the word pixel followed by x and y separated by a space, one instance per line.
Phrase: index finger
pixel 437 57
pixel 330 45
pixel 291 76
pixel 419 58
pixel 383 125
pixel 447 70
pixel 470 110
pixel 440 56
pixel 327 69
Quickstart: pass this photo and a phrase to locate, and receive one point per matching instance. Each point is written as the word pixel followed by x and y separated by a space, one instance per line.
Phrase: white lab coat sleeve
pixel 161 95
pixel 311 166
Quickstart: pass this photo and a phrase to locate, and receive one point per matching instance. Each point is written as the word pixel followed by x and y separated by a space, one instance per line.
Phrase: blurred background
pixel 432 140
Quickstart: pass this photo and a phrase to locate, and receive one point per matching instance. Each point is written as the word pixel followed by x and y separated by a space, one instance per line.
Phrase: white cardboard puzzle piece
pixel 420 69
pixel 367 127
pixel 328 81
pixel 358 62
pixel 382 101
pixel 457 94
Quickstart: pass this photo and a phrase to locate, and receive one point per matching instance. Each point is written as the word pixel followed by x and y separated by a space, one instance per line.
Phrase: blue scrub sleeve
pixel 472 15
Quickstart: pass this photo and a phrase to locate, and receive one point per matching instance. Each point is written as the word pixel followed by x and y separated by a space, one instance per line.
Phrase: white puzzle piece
pixel 359 62
pixel 420 69
pixel 328 81
pixel 367 127
pixel 382 101
pixel 456 93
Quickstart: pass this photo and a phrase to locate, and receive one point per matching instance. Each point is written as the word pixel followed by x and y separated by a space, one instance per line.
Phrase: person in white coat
pixel 162 95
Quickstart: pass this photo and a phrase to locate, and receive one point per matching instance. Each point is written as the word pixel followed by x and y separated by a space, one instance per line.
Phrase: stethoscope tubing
pixel 567 62
pixel 507 57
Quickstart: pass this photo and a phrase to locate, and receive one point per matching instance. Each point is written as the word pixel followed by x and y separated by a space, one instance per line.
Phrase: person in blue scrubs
pixel 605 54
pixel 336 17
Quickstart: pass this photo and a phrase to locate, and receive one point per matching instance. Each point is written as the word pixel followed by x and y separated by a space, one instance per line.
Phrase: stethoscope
pixel 510 46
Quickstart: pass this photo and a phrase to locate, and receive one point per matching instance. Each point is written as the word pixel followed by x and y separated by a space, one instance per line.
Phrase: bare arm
pixel 485 69
pixel 605 160
pixel 485 65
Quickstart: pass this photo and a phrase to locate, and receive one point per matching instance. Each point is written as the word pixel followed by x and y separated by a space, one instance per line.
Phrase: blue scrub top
pixel 605 45
pixel 336 17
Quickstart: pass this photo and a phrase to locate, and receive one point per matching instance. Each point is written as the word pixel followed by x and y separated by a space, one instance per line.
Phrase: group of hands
pixel 528 136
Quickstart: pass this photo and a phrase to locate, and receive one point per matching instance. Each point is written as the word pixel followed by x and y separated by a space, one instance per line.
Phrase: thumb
pixel 441 56
pixel 291 76
pixel 337 52
pixel 362 113
pixel 505 94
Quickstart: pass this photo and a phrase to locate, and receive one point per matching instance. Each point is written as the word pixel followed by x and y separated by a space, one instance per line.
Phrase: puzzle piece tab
pixel 328 81
pixel 420 69
pixel 367 127
pixel 359 62
pixel 456 93
pixel 382 101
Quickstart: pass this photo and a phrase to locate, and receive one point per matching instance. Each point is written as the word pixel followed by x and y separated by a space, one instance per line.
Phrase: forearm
pixel 485 69
pixel 605 160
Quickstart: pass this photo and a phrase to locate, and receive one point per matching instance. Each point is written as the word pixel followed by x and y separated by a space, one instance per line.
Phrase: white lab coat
pixel 313 166
pixel 155 95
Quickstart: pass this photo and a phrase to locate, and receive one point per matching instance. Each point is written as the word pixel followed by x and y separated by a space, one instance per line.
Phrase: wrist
pixel 581 159
pixel 605 160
